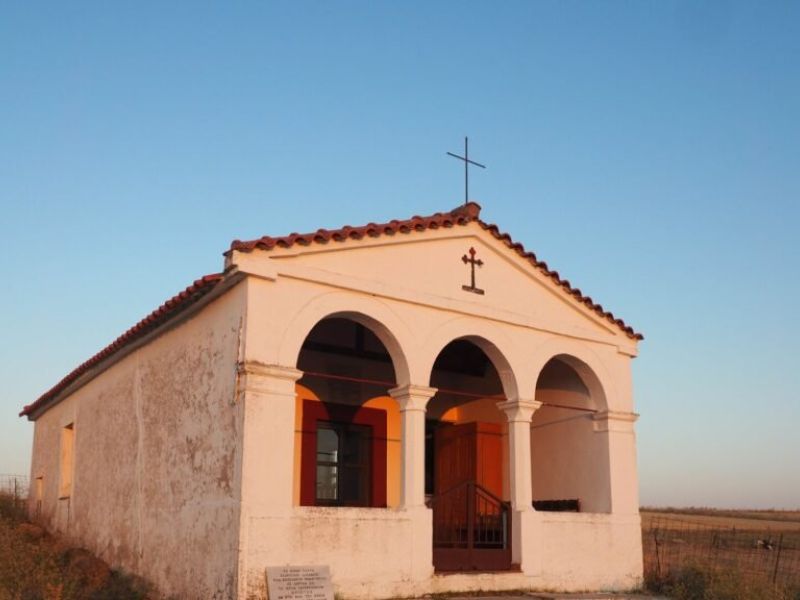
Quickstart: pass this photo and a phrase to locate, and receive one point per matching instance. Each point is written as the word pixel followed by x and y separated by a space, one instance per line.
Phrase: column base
pixel 526 541
pixel 421 550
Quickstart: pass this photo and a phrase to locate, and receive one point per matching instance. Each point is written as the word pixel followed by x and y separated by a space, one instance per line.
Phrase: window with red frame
pixel 343 455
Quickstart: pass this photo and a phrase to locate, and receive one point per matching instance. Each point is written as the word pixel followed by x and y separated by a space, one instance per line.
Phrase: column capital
pixel 256 377
pixel 610 420
pixel 412 397
pixel 519 410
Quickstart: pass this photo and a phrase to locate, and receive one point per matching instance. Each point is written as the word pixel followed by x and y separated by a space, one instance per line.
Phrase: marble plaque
pixel 299 583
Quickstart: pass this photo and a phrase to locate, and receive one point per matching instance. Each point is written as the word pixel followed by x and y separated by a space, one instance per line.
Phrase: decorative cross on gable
pixel 472 262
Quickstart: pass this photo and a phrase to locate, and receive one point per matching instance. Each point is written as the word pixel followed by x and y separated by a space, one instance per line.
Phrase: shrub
pixel 11 508
pixel 695 582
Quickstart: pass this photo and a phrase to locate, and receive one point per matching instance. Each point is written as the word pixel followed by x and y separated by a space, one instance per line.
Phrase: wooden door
pixel 469 452
pixel 470 519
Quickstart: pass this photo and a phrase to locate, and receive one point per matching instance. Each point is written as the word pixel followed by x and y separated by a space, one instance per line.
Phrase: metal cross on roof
pixel 467 163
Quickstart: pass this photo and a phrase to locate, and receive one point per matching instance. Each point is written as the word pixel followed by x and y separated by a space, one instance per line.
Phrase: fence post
pixel 777 560
pixel 658 556
pixel 712 550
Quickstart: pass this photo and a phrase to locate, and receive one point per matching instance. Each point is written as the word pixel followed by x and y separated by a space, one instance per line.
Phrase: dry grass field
pixel 707 553
pixel 754 519
pixel 37 566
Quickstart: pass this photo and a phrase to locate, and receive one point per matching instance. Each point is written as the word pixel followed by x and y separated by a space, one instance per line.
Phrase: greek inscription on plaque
pixel 299 583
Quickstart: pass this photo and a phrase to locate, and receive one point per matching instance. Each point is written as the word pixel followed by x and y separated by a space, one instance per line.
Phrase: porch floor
pixel 561 596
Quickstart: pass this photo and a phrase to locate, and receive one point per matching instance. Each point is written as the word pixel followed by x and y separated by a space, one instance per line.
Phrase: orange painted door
pixel 455 456
pixel 469 452
pixel 489 457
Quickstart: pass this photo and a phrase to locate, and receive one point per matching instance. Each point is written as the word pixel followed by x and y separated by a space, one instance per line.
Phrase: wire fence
pixel 766 556
pixel 15 486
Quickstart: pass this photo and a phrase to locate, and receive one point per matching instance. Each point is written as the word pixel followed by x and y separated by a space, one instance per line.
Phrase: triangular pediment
pixel 427 260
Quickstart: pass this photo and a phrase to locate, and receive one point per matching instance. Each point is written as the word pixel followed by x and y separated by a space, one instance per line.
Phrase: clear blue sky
pixel 649 151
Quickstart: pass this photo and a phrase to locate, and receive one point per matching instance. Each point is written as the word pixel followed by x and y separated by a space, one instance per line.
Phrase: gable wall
pixel 155 488
pixel 428 268
pixel 413 288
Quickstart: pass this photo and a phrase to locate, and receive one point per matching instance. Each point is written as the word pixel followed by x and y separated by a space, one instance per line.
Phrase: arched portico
pixel 490 425
pixel 347 440
pixel 466 476
pixel 570 465
pixel 517 358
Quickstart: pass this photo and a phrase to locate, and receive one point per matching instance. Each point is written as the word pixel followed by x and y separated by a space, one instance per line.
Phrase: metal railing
pixel 469 516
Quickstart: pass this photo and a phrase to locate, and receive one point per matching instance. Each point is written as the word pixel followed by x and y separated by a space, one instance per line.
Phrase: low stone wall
pixel 386 553
pixel 372 553
pixel 590 551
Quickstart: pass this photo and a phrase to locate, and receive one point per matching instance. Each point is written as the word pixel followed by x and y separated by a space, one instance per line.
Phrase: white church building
pixel 422 405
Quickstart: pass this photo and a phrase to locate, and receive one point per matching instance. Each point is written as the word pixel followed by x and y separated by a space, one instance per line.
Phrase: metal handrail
pixel 477 486
pixel 466 522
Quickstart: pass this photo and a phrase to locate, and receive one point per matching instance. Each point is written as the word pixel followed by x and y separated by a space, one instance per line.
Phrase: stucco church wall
pixel 154 488
pixel 568 459
pixel 433 264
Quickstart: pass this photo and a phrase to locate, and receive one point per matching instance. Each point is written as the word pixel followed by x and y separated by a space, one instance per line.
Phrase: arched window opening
pixel 569 460
pixel 347 450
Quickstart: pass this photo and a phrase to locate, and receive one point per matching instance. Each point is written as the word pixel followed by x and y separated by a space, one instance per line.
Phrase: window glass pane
pixel 354 446
pixel 327 444
pixel 343 464
pixel 327 482
pixel 353 486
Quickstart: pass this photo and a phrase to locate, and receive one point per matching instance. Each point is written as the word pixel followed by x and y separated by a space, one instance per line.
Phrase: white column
pixel 412 400
pixel 525 544
pixel 519 414
pixel 617 429
pixel 267 397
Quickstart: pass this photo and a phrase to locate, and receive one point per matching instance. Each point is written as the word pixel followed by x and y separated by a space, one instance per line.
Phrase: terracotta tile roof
pixel 459 216
pixel 463 215
pixel 163 313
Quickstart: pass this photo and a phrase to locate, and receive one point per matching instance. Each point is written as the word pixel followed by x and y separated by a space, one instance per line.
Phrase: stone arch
pixel 569 460
pixel 580 358
pixel 372 313
pixel 497 346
